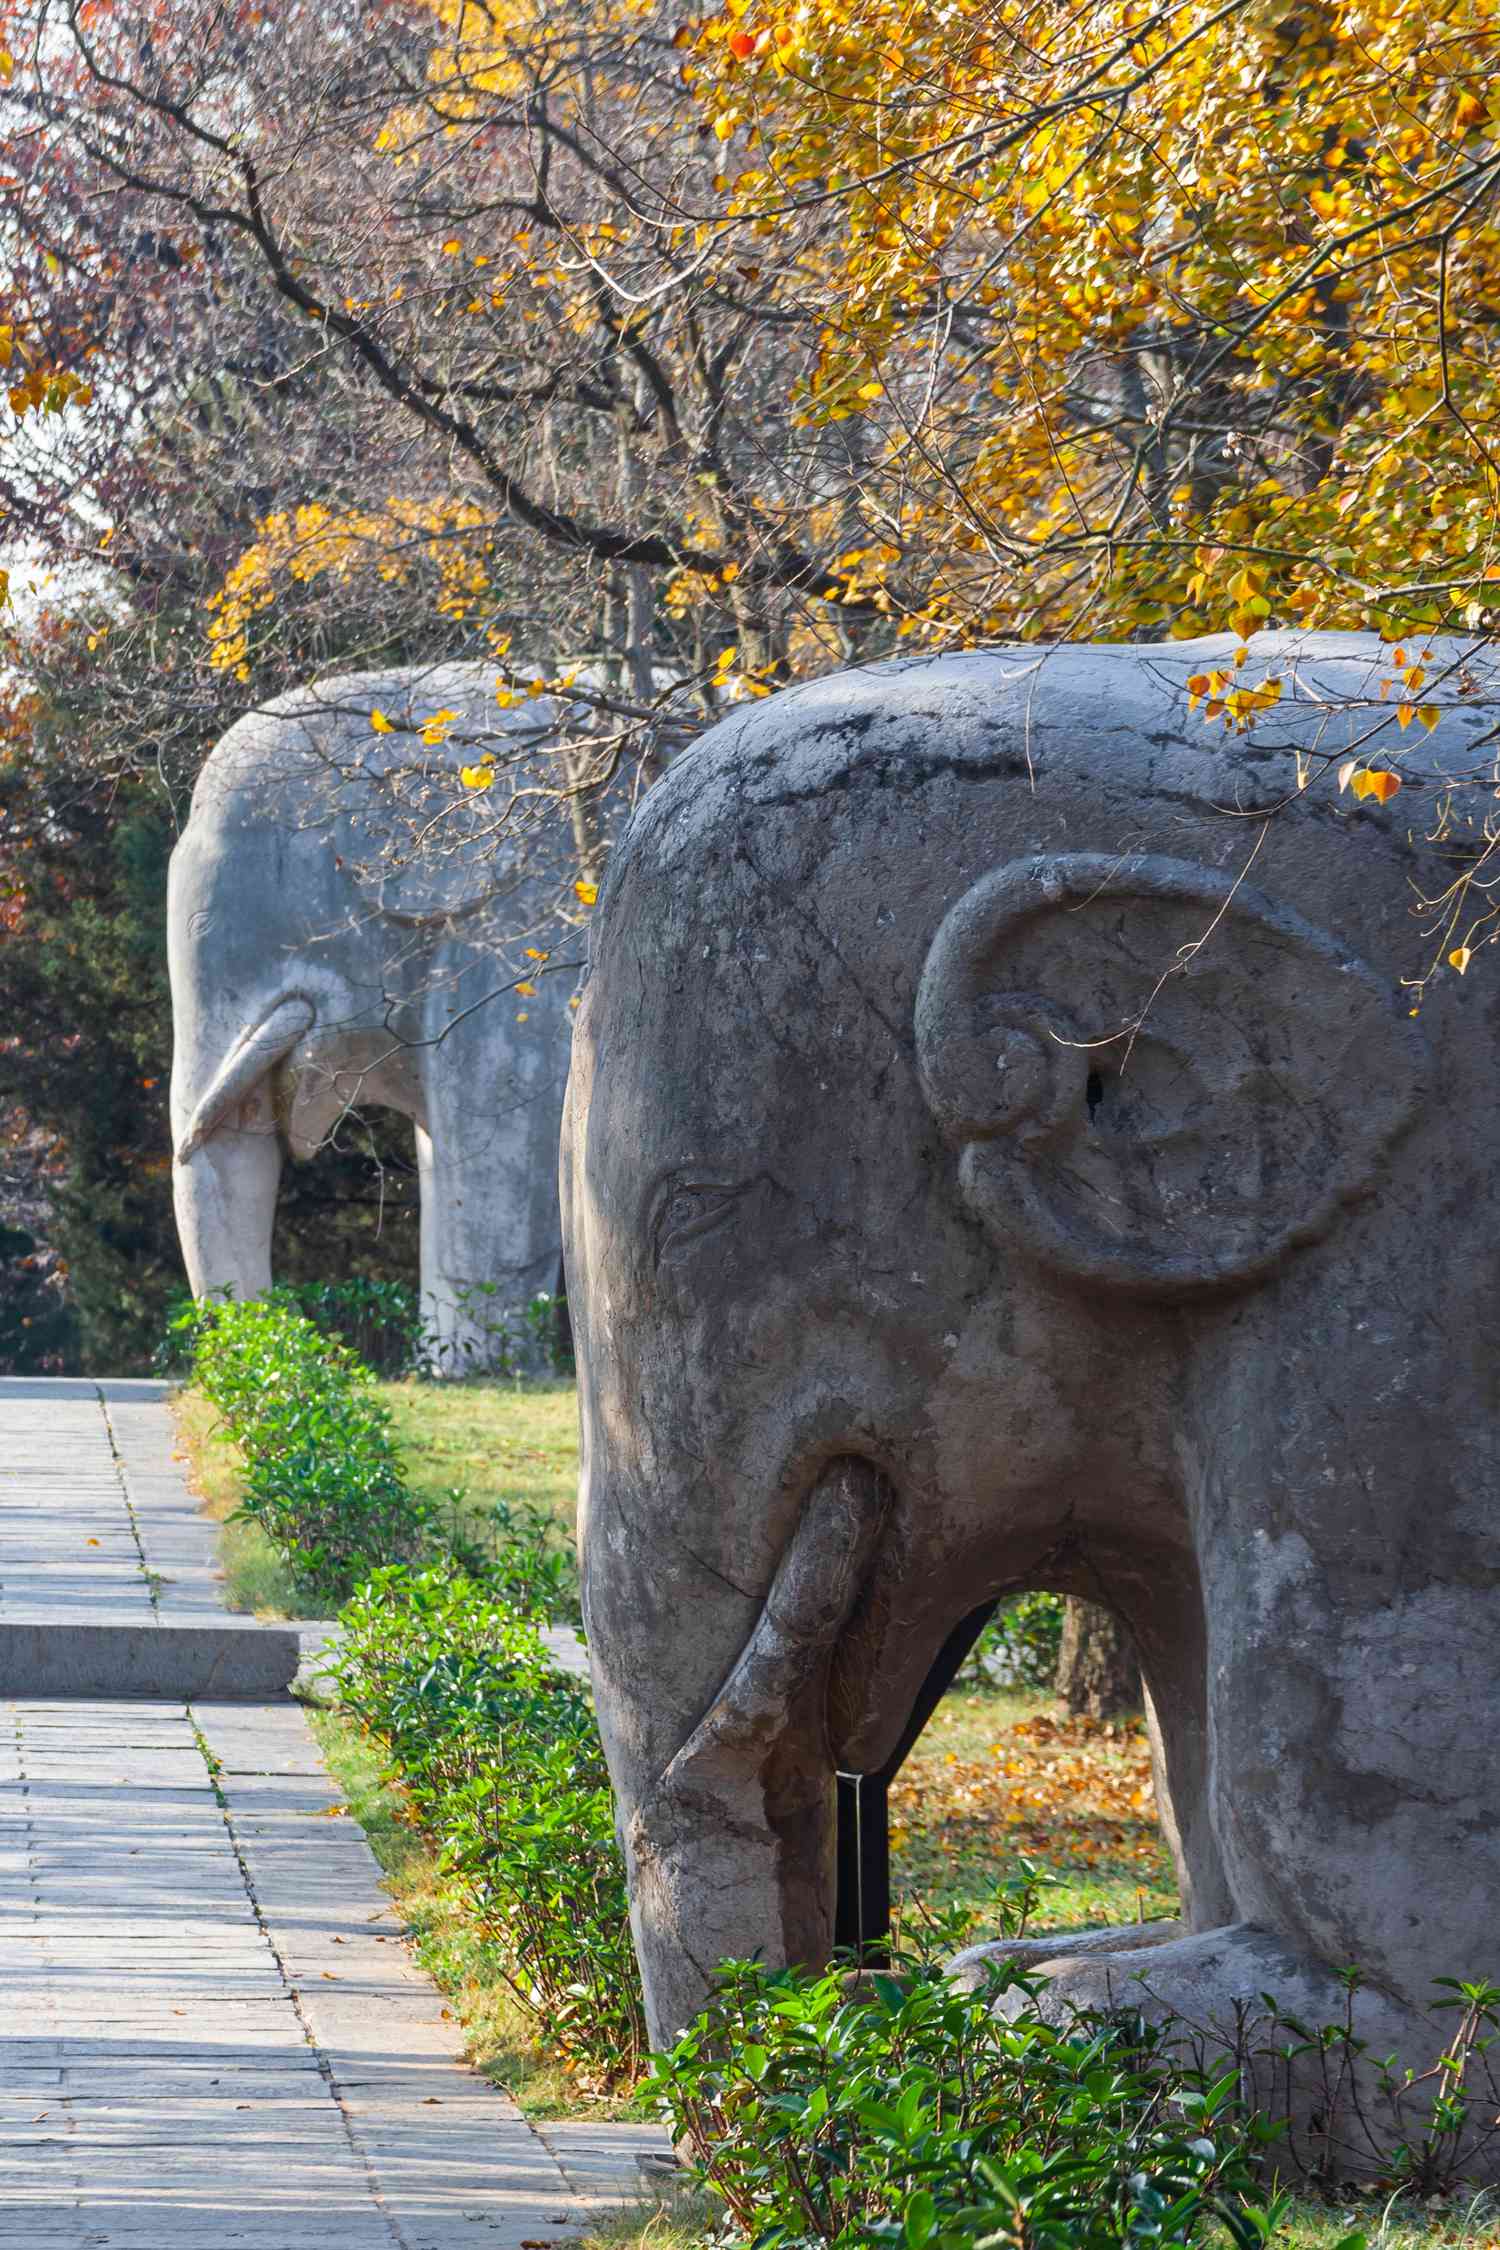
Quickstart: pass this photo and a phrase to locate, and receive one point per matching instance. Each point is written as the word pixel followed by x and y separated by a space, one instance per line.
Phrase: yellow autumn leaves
pixel 1199 379
pixel 446 541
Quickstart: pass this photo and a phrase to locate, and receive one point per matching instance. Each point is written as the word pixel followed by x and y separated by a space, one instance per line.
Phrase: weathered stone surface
pixel 992 1078
pixel 347 925
pixel 65 1653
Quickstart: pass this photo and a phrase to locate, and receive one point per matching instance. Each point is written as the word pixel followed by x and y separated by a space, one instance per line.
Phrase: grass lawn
pixel 499 1442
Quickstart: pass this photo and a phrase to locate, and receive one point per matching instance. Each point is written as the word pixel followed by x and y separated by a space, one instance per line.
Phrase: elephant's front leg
pixel 1347 1576
pixel 730 1846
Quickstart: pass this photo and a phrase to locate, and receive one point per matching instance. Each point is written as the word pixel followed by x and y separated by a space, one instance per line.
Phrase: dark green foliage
pixel 898 2110
pixel 1019 1646
pixel 378 1321
pixel 37 1335
pixel 322 1475
pixel 523 1561
pixel 500 1757
pixel 83 999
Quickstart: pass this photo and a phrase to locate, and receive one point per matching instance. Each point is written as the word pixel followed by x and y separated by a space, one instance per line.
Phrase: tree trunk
pixel 1097 1673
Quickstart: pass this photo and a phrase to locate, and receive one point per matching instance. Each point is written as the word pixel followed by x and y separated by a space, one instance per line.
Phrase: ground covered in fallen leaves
pixel 1001 1778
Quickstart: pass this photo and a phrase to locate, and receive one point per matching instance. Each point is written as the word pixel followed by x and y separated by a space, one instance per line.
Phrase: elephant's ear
pixel 1155 1078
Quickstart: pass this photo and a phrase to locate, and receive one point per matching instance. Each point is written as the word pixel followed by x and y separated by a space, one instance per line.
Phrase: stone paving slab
pixel 109 1575
pixel 215 2033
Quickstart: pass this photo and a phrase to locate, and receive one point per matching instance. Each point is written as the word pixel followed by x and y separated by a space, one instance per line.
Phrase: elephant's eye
pixel 693 1207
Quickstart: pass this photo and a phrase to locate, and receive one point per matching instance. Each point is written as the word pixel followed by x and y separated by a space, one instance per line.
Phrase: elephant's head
pixel 977 1179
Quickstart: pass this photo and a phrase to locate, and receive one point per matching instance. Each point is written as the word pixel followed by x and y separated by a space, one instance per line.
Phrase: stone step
pixel 60 1653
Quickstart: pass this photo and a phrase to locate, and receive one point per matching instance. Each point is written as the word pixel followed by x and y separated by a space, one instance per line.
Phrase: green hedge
pixel 500 1759
pixel 322 1475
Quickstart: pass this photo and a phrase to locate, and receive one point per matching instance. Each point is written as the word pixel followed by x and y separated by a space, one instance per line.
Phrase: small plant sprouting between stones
pixel 499 1757
pixel 1419 2132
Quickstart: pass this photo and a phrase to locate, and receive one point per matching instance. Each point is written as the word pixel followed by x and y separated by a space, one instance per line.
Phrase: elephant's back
pixel 354 721
pixel 362 774
pixel 873 798
pixel 1091 715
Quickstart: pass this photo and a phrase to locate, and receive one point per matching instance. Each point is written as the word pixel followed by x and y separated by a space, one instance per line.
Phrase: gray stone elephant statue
pixel 347 924
pixel 1002 1152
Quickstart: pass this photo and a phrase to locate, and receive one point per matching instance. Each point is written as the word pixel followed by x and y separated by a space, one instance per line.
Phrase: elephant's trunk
pixel 227 1152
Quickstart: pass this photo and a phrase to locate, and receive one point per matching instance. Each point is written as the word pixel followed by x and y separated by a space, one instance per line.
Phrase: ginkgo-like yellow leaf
pixel 380 724
pixel 477 777
pixel 526 991
pixel 1460 958
pixel 587 893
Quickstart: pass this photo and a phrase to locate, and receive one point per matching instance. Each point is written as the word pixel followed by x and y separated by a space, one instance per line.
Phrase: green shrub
pixel 517 1551
pixel 322 1476
pixel 898 2110
pixel 499 1755
pixel 380 1321
pixel 1020 1645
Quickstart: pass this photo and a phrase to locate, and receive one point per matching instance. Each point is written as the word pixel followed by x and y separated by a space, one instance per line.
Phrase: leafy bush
pixel 1019 1647
pixel 380 1321
pixel 513 1338
pixel 322 1476
pixel 895 2109
pixel 522 1559
pixel 500 1758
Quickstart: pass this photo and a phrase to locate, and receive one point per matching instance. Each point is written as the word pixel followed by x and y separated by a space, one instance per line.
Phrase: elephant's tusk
pixel 255 1052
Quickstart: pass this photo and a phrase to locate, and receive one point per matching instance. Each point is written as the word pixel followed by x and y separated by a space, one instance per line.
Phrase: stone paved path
pixel 211 2030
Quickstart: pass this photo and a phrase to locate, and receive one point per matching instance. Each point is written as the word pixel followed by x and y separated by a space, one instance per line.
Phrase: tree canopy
pixel 676 353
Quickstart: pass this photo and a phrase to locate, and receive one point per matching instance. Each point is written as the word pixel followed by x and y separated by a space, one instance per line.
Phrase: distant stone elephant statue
pixel 1001 1154
pixel 345 929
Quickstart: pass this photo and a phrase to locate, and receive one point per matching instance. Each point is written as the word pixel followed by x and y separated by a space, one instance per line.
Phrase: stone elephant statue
pixel 347 924
pixel 1001 1153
